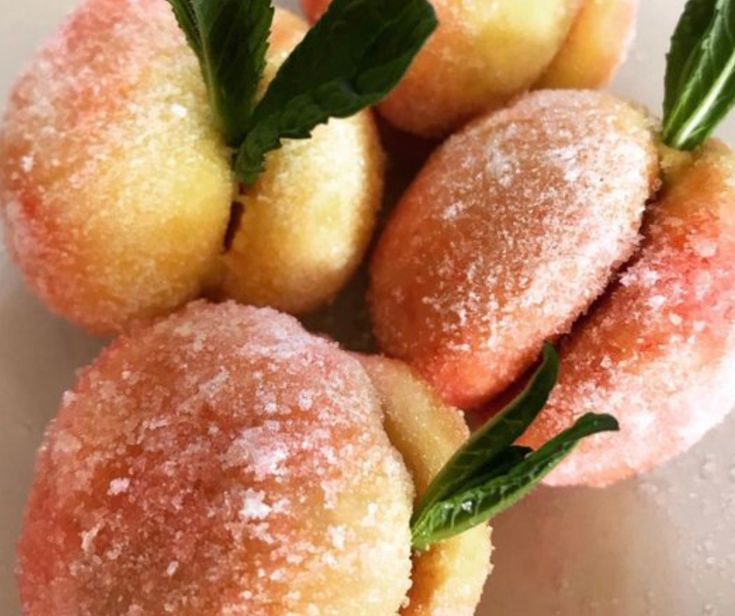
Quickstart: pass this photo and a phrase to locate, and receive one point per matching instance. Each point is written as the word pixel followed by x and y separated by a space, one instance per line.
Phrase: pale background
pixel 663 545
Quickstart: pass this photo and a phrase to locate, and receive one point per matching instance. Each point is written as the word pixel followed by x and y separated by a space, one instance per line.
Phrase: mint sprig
pixel 498 492
pixel 230 38
pixel 351 59
pixel 700 73
pixel 489 473
pixel 498 433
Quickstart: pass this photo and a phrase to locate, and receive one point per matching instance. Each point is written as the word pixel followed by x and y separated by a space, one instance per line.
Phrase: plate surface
pixel 661 545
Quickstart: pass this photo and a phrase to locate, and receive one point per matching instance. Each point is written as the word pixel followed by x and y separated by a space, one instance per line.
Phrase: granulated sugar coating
pixel 222 462
pixel 308 219
pixel 658 350
pixel 116 188
pixel 508 234
pixel 484 53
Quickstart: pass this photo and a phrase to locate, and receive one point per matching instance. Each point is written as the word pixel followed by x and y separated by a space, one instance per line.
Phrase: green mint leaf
pixel 694 20
pixel 351 59
pixel 700 73
pixel 230 38
pixel 497 435
pixel 481 501
pixel 499 465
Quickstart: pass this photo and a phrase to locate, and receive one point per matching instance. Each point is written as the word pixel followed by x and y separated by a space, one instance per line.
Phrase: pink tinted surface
pixel 661 545
pixel 195 450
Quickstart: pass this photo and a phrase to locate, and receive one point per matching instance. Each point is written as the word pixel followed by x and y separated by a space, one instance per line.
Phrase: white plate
pixel 660 545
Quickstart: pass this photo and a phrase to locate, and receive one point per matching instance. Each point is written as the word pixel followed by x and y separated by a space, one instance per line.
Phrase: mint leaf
pixel 498 434
pixel 351 59
pixel 694 20
pixel 489 473
pixel 499 465
pixel 230 38
pixel 700 74
pixel 478 502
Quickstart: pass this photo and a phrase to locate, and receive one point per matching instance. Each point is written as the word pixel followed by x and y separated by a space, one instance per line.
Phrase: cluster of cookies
pixel 217 458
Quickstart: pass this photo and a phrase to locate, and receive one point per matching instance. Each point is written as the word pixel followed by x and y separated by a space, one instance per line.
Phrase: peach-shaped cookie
pixel 225 461
pixel 658 351
pixel 117 190
pixel 485 53
pixel 507 235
